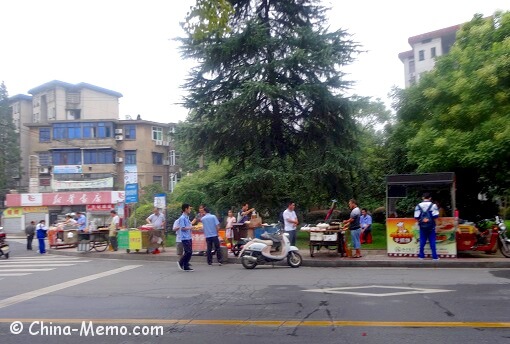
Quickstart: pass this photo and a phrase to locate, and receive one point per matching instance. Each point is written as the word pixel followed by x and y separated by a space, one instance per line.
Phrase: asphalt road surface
pixel 59 299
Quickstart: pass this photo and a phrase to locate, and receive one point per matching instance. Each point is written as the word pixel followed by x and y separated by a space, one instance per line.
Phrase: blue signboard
pixel 131 193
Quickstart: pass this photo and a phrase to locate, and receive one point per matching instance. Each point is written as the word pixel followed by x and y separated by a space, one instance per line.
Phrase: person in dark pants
pixel 112 232
pixel 426 214
pixel 41 235
pixel 30 231
pixel 185 228
pixel 211 226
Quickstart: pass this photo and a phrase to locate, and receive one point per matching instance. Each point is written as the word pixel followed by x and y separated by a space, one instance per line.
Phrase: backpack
pixel 426 220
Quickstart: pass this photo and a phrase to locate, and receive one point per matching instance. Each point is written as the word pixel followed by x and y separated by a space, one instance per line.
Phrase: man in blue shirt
pixel 81 221
pixel 211 226
pixel 185 229
pixel 366 227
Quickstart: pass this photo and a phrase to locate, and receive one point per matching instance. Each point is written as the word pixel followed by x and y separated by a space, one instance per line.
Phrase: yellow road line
pixel 270 323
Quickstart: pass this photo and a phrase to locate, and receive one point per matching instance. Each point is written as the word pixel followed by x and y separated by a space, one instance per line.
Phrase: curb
pixel 315 262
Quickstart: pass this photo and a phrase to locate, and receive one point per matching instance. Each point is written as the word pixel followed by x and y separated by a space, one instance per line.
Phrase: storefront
pixel 15 219
pixel 23 208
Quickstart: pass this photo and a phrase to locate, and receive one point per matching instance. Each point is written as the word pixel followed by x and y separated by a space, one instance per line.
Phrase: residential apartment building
pixel 77 153
pixel 425 49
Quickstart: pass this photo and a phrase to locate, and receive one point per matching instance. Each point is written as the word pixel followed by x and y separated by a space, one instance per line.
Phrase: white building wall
pixel 97 105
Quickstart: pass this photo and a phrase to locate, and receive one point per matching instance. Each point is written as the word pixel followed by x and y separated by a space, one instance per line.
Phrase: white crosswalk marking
pixel 27 265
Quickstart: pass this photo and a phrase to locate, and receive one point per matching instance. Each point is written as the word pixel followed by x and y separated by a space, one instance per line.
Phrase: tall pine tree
pixel 268 92
pixel 271 86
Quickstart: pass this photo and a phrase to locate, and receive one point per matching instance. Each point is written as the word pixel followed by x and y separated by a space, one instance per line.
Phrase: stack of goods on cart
pixel 146 227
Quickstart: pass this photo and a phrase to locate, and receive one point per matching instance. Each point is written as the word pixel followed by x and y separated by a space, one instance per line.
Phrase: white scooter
pixel 258 251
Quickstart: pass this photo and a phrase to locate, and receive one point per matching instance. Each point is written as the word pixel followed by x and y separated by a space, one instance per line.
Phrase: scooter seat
pixel 267 242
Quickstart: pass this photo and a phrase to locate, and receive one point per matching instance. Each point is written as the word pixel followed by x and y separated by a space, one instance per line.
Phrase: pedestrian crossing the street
pixel 23 266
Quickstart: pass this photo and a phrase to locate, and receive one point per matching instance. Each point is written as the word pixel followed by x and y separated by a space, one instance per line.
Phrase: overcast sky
pixel 126 45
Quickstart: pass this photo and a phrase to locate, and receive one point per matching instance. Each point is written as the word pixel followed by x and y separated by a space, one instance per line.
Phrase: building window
pixel 72 115
pixel 72 98
pixel 44 135
pixel 421 55
pixel 98 156
pixel 96 130
pixel 157 133
pixel 130 157
pixel 412 67
pixel 173 181
pixel 171 158
pixel 45 182
pixel 157 158
pixel 433 52
pixel 53 114
pixel 66 131
pixel 66 157
pixel 45 159
pixel 130 132
pixel 157 180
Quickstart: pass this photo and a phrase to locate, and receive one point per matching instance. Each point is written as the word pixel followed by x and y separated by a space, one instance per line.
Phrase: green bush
pixel 379 215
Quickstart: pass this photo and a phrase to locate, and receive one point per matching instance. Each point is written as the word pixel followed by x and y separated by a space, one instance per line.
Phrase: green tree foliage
pixel 208 17
pixel 10 159
pixel 267 96
pixel 373 119
pixel 458 117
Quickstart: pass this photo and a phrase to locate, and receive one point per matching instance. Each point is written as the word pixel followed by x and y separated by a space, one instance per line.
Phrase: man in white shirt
pixel 290 222
pixel 112 230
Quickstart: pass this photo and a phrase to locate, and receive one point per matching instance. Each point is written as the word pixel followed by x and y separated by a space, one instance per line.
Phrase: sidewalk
pixel 371 258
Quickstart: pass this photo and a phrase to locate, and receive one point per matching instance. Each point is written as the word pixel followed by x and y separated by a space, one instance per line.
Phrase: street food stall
pixel 403 192
pixel 328 236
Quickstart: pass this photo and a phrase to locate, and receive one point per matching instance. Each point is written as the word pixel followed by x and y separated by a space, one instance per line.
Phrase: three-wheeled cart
pixel 62 238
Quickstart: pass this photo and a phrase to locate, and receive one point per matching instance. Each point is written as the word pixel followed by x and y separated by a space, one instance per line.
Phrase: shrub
pixel 379 215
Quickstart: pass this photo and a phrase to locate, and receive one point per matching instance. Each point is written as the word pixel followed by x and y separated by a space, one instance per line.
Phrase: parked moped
pixel 259 252
pixel 491 235
pixel 4 247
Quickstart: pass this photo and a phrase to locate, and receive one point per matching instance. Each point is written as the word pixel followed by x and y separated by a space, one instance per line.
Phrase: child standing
pixel 229 227
pixel 41 235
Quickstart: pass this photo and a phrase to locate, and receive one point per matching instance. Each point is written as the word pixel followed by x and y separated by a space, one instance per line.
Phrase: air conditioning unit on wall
pixel 118 159
pixel 44 170
pixel 159 143
pixel 119 137
pixel 118 131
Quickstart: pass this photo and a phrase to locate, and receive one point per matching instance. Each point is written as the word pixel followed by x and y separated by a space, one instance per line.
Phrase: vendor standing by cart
pixel 245 213
pixel 354 227
pixel 113 228
pixel 81 221
pixel 156 219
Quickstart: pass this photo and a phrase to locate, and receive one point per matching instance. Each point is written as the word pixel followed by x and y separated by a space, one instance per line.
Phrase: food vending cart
pixel 402 230
pixel 328 236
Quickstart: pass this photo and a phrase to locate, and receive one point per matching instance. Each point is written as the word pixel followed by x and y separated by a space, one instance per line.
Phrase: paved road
pixel 228 304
